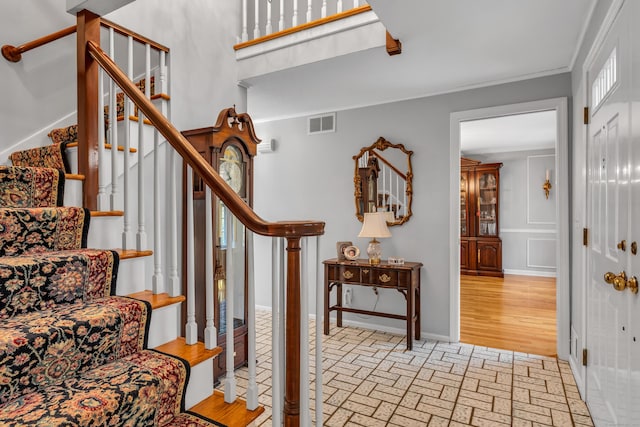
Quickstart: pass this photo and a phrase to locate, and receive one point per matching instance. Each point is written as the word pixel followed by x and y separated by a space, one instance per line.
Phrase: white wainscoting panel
pixel 541 253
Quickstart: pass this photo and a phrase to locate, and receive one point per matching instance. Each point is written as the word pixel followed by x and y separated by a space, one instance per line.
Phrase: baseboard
pixel 37 138
pixel 369 326
pixel 530 273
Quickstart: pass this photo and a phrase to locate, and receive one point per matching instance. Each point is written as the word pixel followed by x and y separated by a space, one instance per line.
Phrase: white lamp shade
pixel 375 225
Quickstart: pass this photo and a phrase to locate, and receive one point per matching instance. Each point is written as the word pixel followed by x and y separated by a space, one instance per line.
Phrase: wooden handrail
pixel 305 26
pixel 14 54
pixel 229 197
pixel 137 37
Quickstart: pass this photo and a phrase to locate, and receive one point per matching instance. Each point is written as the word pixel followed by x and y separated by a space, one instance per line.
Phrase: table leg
pixel 410 318
pixel 339 310
pixel 327 294
pixel 417 308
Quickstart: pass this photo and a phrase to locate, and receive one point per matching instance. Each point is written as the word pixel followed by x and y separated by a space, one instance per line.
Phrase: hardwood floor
pixel 515 313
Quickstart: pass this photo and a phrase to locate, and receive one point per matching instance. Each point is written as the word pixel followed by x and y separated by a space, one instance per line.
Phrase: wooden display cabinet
pixel 480 244
pixel 229 147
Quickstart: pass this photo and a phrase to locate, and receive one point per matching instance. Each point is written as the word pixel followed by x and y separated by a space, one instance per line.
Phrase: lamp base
pixel 374 250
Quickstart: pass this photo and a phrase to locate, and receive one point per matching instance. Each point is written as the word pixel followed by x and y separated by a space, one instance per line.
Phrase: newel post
pixel 292 335
pixel 88 29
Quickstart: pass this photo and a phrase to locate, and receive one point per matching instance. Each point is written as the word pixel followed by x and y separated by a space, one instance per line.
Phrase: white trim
pixel 529 264
pixel 606 25
pixel 583 33
pixel 529 230
pixel 530 273
pixel 575 370
pixel 44 131
pixel 562 210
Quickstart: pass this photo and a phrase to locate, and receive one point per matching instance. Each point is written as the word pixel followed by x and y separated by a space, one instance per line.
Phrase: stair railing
pixel 259 17
pixel 392 185
pixel 91 58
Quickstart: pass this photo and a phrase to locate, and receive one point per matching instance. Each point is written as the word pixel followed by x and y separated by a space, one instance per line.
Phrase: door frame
pixel 561 187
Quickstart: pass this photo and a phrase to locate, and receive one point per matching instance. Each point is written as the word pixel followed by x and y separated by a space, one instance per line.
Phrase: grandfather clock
pixel 229 147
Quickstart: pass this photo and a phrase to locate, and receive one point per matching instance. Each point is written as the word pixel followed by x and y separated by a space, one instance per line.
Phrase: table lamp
pixel 374 226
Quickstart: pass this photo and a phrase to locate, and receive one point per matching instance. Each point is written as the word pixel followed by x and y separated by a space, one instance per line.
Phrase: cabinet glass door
pixel 487 204
pixel 464 196
pixel 234 241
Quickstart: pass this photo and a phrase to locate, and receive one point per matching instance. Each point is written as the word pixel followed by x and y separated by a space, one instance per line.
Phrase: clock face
pixel 231 169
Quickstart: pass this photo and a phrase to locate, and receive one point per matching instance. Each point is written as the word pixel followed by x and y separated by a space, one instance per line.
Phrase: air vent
pixel 322 124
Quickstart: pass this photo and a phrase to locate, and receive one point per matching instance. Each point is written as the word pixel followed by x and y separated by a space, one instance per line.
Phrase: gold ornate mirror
pixel 383 181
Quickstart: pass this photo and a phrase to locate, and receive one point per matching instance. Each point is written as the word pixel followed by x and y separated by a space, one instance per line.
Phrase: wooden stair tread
pixel 130 253
pixel 106 146
pixel 161 95
pixel 193 354
pixel 107 213
pixel 74 176
pixel 230 414
pixel 157 300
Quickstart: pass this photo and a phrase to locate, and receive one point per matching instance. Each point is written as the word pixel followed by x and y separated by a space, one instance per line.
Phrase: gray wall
pixel 527 218
pixel 311 177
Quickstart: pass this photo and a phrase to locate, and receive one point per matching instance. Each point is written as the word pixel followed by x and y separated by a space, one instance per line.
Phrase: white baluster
pixel 324 9
pixel 281 21
pixel 103 198
pixel 319 335
pixel 141 236
pixel 277 286
pixel 158 279
pixel 252 387
pixel 191 331
pixel 127 239
pixel 294 19
pixel 356 3
pixel 113 130
pixel 405 198
pixel 245 34
pixel 304 333
pixel 174 279
pixel 163 72
pixel 309 10
pixel 339 6
pixel 210 331
pixel 230 378
pixel 269 27
pixel 256 28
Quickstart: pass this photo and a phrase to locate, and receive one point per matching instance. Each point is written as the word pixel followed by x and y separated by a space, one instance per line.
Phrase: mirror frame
pixel 382 144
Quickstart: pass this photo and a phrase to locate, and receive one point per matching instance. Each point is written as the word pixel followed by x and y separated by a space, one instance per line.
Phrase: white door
pixel 612 186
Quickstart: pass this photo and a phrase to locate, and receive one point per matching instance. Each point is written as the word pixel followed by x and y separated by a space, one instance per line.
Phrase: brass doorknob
pixel 622 245
pixel 632 284
pixel 620 282
pixel 608 277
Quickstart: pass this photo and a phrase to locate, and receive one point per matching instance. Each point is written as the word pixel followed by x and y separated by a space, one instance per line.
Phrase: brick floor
pixel 370 379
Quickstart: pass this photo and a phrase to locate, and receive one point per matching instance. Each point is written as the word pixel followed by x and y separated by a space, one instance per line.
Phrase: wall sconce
pixel 547 185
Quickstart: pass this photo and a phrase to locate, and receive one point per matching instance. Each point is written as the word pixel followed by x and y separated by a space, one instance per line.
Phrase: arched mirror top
pixel 383 181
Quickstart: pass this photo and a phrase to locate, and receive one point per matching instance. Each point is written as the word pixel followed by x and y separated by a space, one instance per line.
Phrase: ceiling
pixel 517 132
pixel 447 46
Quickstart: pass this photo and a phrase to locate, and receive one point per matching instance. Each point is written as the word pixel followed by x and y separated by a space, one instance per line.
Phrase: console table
pixel 404 278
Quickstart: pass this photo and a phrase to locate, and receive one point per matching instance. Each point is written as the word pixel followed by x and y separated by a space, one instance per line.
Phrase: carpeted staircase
pixel 72 352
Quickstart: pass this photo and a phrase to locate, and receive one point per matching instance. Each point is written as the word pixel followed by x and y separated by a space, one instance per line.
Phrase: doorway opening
pixel 507 223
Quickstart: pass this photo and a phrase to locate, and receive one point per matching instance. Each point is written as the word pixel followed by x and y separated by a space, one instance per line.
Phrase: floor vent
pixel 323 123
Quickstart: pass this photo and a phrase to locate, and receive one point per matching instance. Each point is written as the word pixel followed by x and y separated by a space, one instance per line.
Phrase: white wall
pixel 311 177
pixel 40 91
pixel 527 218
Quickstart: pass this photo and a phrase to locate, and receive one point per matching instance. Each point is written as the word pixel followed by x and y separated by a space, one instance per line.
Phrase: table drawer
pixel 345 274
pixel 385 277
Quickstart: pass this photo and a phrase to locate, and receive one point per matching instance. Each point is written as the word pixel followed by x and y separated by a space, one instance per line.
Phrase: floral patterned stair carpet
pixel 72 352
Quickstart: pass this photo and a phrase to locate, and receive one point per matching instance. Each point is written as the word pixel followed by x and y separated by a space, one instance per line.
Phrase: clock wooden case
pixel 229 147
pixel 480 244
